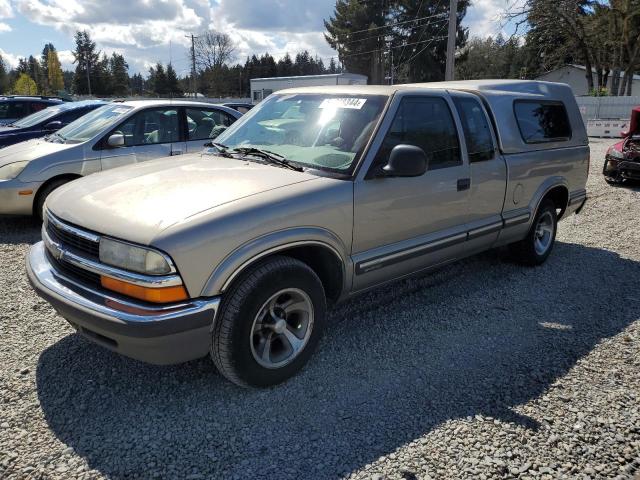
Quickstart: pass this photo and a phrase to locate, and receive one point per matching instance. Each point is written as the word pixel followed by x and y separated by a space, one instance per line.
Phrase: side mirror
pixel 116 140
pixel 406 161
pixel 53 126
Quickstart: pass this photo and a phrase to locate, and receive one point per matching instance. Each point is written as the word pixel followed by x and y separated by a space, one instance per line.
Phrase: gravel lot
pixel 481 370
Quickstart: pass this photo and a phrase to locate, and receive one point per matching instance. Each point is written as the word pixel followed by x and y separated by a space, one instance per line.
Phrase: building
pixel 263 87
pixel 574 76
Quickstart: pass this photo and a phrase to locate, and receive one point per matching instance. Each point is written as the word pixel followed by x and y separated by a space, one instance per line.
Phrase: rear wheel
pixel 537 245
pixel 38 207
pixel 269 324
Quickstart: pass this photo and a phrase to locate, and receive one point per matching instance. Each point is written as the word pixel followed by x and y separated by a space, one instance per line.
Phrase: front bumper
pixel 12 202
pixel 160 335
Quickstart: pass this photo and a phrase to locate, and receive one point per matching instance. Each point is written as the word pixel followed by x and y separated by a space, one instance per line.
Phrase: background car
pixel 119 133
pixel 14 107
pixel 239 106
pixel 46 121
pixel 622 161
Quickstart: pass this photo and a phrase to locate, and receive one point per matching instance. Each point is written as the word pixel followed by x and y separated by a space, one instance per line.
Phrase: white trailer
pixel 261 88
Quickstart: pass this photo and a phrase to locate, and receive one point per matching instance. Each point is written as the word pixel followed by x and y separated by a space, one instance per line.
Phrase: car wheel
pixel 38 208
pixel 614 180
pixel 537 245
pixel 269 323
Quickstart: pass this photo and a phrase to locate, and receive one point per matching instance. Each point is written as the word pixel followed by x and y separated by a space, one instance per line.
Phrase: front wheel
pixel 537 245
pixel 270 323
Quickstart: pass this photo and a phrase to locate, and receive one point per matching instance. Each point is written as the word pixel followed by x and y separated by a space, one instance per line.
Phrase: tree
pixel 158 80
pixel 25 85
pixel 213 49
pixel 44 62
pixel 356 30
pixel 35 72
pixel 119 75
pixel 55 78
pixel 86 57
pixel 4 78
pixel 172 84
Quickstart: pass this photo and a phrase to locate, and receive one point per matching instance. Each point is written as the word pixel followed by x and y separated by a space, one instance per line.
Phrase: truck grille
pixel 68 238
pixel 74 272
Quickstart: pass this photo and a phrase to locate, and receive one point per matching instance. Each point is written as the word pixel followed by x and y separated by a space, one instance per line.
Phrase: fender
pixel 253 250
pixel 546 186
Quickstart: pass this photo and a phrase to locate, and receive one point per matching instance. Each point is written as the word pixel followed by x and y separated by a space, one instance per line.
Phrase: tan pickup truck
pixel 315 195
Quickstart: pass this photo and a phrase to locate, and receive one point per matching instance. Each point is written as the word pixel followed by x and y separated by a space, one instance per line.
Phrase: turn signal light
pixel 153 295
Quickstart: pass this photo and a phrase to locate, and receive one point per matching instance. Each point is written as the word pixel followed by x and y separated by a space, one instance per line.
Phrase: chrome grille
pixel 69 236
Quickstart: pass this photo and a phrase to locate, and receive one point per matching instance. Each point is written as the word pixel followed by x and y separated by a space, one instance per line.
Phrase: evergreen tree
pixel 55 80
pixel 158 80
pixel 35 72
pixel 172 85
pixel 285 66
pixel 86 57
pixel 119 76
pixel 23 66
pixel 44 62
pixel 4 77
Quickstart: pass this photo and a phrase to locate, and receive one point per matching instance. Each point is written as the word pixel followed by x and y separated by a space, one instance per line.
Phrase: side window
pixel 37 106
pixel 477 132
pixel 542 121
pixel 425 122
pixel 68 117
pixel 17 110
pixel 150 127
pixel 206 124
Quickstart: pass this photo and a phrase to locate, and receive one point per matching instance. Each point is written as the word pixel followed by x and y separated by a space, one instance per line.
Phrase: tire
pixel 613 180
pixel 262 309
pixel 536 247
pixel 38 207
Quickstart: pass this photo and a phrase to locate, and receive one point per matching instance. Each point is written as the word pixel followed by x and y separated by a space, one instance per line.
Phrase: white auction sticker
pixel 355 103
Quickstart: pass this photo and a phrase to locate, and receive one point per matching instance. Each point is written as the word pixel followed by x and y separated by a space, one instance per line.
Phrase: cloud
pixel 9 59
pixel 485 17
pixel 4 27
pixel 5 9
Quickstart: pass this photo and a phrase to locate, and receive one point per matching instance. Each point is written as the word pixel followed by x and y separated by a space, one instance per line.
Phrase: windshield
pixel 326 132
pixel 35 118
pixel 88 126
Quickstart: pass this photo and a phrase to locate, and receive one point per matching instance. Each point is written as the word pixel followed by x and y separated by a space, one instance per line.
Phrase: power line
pixel 342 44
pixel 395 23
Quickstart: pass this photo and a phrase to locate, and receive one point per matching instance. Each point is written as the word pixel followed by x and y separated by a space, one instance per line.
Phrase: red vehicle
pixel 622 161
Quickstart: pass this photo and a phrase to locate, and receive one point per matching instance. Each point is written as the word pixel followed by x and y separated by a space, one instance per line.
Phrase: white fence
pixel 606 116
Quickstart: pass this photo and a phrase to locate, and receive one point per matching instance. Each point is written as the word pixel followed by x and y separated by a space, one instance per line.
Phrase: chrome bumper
pixel 11 202
pixel 163 334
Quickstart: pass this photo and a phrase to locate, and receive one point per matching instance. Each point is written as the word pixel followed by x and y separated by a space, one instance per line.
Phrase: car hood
pixel 30 150
pixel 138 202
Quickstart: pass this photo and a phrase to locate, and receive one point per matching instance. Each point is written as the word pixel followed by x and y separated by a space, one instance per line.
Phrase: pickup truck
pixel 315 195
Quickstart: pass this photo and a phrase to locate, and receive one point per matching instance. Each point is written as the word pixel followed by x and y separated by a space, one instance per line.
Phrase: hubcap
pixel 543 236
pixel 282 328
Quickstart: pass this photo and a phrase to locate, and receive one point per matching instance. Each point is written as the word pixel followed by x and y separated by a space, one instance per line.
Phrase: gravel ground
pixel 481 370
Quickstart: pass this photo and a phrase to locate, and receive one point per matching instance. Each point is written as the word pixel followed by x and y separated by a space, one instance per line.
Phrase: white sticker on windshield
pixel 354 103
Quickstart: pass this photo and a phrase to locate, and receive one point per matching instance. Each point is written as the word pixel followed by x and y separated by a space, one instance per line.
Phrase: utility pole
pixel 451 40
pixel 194 83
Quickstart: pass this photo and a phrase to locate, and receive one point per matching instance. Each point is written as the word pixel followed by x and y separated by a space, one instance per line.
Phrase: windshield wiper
pixel 271 157
pixel 223 150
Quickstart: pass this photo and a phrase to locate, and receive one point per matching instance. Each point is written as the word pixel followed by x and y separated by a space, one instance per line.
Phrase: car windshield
pixel 36 118
pixel 326 132
pixel 88 126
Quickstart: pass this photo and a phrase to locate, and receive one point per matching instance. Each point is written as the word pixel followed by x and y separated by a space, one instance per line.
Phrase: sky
pixel 151 31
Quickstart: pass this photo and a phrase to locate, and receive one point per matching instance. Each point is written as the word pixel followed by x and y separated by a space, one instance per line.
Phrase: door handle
pixel 464 184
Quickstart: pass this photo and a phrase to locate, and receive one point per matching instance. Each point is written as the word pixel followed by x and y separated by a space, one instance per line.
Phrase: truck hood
pixel 31 150
pixel 137 202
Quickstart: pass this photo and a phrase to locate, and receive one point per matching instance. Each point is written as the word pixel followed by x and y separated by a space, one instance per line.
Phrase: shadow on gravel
pixel 15 230
pixel 479 337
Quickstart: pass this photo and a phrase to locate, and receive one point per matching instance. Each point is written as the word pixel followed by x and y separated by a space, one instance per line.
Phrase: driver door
pixel 149 134
pixel 405 224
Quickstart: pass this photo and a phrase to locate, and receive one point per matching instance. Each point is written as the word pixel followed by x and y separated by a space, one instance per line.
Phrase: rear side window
pixel 13 110
pixel 542 121
pixel 425 122
pixel 477 133
pixel 37 106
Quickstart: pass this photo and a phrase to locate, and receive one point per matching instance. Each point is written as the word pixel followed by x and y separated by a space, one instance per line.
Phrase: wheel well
pixel 560 196
pixel 66 176
pixel 323 261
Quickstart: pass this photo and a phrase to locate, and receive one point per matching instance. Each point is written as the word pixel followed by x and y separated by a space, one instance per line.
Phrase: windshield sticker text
pixel 354 103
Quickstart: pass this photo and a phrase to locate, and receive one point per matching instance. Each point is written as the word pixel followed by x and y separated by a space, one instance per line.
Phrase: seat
pixel 204 129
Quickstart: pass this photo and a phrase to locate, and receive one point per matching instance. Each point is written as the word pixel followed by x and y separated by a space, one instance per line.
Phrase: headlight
pixel 134 258
pixel 8 172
